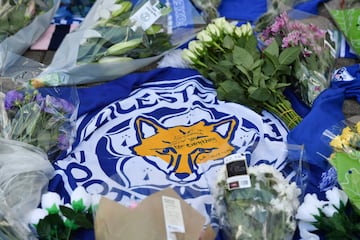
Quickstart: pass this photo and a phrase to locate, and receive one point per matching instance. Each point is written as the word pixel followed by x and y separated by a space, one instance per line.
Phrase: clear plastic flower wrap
pixel 344 140
pixel 345 14
pixel 119 37
pixel 23 22
pixel 43 117
pixel 25 173
pixel 255 202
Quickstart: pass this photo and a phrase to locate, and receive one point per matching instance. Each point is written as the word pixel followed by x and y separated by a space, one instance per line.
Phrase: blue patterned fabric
pixel 168 131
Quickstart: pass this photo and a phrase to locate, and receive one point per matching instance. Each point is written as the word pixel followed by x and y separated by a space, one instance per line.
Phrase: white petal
pixel 104 13
pixel 309 208
pixel 305 229
pixel 80 193
pixel 49 199
pixel 336 195
pixel 35 215
pixel 329 210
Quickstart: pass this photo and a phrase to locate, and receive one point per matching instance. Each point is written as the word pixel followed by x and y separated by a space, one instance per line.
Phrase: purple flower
pixel 13 98
pixel 55 105
pixel 328 179
pixel 63 141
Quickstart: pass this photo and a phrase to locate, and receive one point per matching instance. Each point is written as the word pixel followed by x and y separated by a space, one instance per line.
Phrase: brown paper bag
pixel 114 221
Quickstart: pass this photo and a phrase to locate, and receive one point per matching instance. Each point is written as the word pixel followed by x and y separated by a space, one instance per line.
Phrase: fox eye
pixel 166 150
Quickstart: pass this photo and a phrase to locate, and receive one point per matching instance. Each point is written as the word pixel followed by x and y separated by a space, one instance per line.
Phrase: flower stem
pixel 285 112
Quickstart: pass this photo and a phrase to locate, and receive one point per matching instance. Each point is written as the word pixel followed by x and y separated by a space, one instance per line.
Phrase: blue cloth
pixel 243 11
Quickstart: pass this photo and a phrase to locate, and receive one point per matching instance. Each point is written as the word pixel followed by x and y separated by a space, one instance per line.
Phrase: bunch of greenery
pixel 265 210
pixel 229 56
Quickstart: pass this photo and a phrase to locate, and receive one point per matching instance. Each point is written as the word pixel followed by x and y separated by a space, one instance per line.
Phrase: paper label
pixel 237 173
pixel 174 221
pixel 146 15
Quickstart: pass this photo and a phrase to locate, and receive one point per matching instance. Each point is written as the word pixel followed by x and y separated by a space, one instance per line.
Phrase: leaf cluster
pixel 54 227
pixel 344 224
pixel 245 75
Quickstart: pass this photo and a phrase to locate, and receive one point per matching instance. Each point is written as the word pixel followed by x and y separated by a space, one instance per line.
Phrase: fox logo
pixel 183 148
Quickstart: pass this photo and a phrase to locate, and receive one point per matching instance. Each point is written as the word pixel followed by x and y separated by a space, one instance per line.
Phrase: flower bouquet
pixel 119 37
pixel 332 218
pixel 23 22
pixel 36 125
pixel 61 221
pixel 228 55
pixel 345 159
pixel 255 202
pixel 312 70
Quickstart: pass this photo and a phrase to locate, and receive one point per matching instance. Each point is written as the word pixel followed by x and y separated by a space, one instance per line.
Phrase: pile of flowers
pixel 59 221
pixel 15 15
pixel 115 37
pixel 333 218
pixel 263 210
pixel 337 216
pixel 229 56
pixel 312 70
pixel 44 121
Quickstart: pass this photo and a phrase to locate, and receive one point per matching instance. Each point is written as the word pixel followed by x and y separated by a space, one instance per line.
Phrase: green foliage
pixel 344 224
pixel 54 227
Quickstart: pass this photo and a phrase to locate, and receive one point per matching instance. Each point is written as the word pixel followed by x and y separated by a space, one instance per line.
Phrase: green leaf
pixel 272 50
pixel 289 55
pixel 82 221
pixel 228 42
pixel 67 212
pixel 260 94
pixel 242 57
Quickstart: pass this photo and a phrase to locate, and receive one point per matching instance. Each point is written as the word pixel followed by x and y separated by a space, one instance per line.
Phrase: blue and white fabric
pixel 171 131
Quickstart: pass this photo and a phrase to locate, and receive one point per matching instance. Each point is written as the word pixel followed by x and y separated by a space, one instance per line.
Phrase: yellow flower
pixel 346 136
pixel 357 127
pixel 336 143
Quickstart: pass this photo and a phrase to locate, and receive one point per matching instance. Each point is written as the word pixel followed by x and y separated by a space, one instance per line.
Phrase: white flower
pixel 226 26
pixel 309 208
pixel 204 36
pixel 188 56
pixel 36 215
pixel 80 199
pixel 335 196
pixel 105 8
pixel 51 201
pixel 195 47
pixel 305 229
pixel 213 30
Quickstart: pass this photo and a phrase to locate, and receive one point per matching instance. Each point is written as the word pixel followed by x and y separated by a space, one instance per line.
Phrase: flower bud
pixel 196 47
pixel 213 30
pixel 188 56
pixel 204 36
pixel 51 201
pixel 80 199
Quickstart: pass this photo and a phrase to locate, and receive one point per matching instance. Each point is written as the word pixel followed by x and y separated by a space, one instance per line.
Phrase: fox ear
pixel 146 128
pixel 225 127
